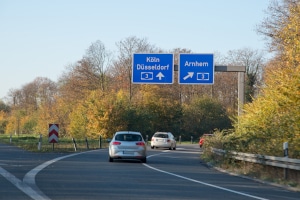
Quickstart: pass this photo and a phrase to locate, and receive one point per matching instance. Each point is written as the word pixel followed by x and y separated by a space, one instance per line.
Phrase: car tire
pixel 144 160
pixel 152 147
pixel 174 148
pixel 110 159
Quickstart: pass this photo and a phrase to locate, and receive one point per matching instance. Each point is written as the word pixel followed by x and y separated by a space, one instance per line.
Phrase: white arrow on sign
pixel 190 75
pixel 160 75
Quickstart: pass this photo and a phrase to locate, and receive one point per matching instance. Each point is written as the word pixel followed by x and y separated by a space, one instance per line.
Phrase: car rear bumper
pixel 159 144
pixel 127 154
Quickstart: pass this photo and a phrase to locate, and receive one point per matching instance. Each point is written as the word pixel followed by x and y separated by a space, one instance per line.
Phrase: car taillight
pixel 140 143
pixel 168 140
pixel 116 143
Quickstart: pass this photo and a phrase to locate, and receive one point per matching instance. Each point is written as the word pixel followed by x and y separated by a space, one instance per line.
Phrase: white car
pixel 163 140
pixel 127 145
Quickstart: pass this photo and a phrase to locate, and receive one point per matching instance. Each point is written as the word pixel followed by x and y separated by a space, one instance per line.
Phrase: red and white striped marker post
pixel 53 134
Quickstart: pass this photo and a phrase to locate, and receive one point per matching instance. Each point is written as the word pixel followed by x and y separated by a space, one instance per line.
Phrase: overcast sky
pixel 39 38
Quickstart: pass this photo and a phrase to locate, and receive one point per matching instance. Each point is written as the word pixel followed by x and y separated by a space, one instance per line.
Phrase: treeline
pixel 95 96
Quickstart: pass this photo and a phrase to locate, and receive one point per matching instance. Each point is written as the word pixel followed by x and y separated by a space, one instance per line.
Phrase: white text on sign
pixel 152 67
pixel 196 64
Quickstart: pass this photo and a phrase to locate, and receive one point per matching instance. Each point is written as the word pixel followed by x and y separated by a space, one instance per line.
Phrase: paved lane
pixel 168 174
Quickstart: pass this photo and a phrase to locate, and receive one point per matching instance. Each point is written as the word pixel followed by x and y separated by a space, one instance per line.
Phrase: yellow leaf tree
pixel 274 117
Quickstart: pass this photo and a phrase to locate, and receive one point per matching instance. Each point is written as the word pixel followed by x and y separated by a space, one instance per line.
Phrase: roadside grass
pixel 31 143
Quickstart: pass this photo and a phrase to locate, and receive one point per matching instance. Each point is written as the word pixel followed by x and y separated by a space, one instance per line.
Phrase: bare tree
pixel 100 59
pixel 33 94
pixel 278 17
pixel 122 67
pixel 281 30
pixel 77 81
pixel 254 62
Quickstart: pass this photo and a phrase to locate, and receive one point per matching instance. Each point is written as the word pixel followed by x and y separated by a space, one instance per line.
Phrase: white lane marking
pixel 200 182
pixel 28 185
pixel 29 178
pixel 36 194
pixel 3 164
pixel 20 185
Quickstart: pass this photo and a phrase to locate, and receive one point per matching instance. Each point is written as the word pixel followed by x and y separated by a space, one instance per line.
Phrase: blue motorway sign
pixel 196 69
pixel 152 68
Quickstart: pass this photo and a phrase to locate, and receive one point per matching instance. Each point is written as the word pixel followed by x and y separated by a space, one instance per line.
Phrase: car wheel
pixel 110 159
pixel 174 148
pixel 152 147
pixel 144 160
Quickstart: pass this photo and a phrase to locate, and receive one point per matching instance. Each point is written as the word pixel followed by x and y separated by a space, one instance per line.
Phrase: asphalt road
pixel 167 174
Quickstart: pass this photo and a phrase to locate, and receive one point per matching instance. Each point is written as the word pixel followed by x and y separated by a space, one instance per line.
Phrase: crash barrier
pixel 283 162
pixel 39 143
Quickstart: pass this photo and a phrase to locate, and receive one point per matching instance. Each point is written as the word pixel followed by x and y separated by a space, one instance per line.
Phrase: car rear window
pixel 128 137
pixel 161 135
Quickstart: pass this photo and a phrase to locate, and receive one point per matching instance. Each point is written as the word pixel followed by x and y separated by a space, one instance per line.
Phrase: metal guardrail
pixel 35 143
pixel 283 162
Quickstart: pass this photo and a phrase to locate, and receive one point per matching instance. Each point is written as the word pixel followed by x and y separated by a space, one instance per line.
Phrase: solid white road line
pixel 22 186
pixel 29 187
pixel 203 183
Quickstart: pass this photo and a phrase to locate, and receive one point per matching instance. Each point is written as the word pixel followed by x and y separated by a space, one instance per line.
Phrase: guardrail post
pixel 100 142
pixel 179 139
pixel 286 155
pixel 75 145
pixel 10 139
pixel 87 143
pixel 191 139
pixel 40 142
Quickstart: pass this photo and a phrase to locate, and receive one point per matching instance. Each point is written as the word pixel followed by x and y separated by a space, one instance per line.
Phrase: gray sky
pixel 39 38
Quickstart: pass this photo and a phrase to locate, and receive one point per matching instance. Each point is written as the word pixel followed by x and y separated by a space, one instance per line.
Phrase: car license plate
pixel 128 152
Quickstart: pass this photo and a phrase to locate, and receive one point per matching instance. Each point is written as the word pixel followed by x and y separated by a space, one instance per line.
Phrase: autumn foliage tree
pixel 274 116
pixel 95 97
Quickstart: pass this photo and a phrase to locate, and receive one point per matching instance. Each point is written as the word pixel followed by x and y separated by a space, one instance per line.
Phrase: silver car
pixel 127 145
pixel 163 140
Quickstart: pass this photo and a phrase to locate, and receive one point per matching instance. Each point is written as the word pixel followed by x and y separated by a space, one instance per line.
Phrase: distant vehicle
pixel 163 140
pixel 127 145
pixel 201 141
